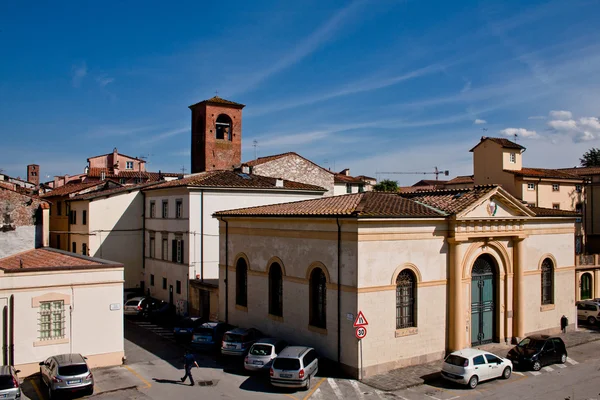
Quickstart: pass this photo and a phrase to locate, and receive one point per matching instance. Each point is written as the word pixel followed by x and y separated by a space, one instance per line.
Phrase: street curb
pixel 114 390
pixel 412 385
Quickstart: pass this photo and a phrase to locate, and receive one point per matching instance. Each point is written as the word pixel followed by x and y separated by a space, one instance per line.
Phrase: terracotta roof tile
pixel 51 259
pixel 507 144
pixel 430 182
pixel 550 212
pixel 219 100
pixel 461 180
pixel 110 192
pixel 233 179
pixel 581 171
pixel 543 173
pixel 450 201
pixel 71 188
pixel 127 174
pixel 341 178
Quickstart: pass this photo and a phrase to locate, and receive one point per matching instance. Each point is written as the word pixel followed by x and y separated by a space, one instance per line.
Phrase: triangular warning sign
pixel 360 320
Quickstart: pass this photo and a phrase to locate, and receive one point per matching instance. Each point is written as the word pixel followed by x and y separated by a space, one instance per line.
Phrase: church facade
pixel 432 272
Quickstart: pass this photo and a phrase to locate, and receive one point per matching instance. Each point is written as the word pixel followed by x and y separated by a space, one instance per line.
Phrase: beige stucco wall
pixel 489 161
pixel 566 197
pixel 79 233
pixel 91 328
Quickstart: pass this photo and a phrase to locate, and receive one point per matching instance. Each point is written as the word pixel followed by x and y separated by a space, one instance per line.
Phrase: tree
pixel 386 185
pixel 591 158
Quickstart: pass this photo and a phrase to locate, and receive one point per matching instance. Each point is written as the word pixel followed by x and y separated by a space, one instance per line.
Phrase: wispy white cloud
pixel 325 33
pixel 78 73
pixel 519 132
pixel 104 80
pixel 537 117
pixel 466 87
pixel 561 114
pixel 582 130
pixel 180 153
pixel 164 135
pixel 563 126
pixel 480 121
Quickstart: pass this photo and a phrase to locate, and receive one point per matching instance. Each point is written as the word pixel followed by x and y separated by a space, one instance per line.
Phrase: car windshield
pixel 459 361
pixel 261 350
pixel 71 370
pixel 288 364
pixel 6 382
pixel 528 343
pixel 233 337
pixel 204 332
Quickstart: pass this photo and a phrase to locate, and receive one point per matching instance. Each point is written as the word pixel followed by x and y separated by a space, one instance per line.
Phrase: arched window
pixel 241 283
pixel 547 282
pixel 586 286
pixel 318 298
pixel 275 290
pixel 223 127
pixel 406 293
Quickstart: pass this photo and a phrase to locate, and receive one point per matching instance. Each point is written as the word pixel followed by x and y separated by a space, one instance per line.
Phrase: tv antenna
pixel 183 169
pixel 255 145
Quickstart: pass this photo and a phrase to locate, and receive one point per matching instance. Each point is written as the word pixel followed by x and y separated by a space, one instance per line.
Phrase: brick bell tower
pixel 33 174
pixel 216 134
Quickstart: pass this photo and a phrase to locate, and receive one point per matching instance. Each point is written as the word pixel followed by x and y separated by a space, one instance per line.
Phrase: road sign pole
pixel 360 373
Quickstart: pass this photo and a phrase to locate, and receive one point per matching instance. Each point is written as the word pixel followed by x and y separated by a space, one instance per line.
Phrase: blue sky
pixel 374 86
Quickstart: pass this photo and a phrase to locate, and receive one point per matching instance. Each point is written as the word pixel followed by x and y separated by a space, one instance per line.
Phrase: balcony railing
pixel 587 259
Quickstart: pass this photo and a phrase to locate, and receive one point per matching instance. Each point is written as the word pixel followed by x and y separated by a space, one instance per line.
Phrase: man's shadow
pixel 171 381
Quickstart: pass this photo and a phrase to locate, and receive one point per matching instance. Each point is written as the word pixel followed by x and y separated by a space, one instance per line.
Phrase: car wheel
pixel 473 382
pixel 307 387
pixel 591 320
pixel 506 373
pixel 563 359
pixel 536 366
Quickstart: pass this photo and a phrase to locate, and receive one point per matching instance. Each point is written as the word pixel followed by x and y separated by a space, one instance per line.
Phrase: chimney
pixel 245 169
pixel 345 172
pixel 102 175
pixel 278 182
pixel 33 174
pixel 115 161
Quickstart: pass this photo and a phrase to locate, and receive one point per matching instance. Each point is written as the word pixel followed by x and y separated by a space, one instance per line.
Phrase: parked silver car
pixel 136 306
pixel 66 373
pixel 262 353
pixel 237 342
pixel 295 367
pixel 9 383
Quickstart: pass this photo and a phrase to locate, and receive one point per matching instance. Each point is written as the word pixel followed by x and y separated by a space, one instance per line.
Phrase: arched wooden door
pixel 483 300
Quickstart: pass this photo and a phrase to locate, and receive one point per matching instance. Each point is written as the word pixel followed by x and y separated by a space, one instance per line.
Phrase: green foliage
pixel 591 158
pixel 386 185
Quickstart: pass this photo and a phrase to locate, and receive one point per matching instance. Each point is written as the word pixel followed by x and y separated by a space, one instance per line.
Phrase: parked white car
pixel 471 366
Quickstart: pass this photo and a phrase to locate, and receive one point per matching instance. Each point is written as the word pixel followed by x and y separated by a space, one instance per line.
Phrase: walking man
pixel 564 322
pixel 189 362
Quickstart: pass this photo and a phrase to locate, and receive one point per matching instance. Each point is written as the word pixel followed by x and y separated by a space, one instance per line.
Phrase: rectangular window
pixel 555 187
pixel 58 241
pixel 152 209
pixel 52 320
pixel 129 165
pixel 348 188
pixel 531 186
pixel 59 208
pixel 84 217
pixel 579 207
pixel 152 245
pixel 165 249
pixel 74 245
pixel 84 249
pixel 178 208
pixel 122 181
pixel 361 188
pixel 165 209
pixel 556 206
pixel 578 188
pixel 513 158
pixel 151 279
pixel 73 217
pixel 178 287
pixel 177 249
pixel 165 283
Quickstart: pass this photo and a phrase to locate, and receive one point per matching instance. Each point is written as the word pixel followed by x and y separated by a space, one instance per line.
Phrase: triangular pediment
pixel 497 204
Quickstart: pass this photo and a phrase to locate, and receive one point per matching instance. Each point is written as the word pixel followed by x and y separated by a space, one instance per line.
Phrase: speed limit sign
pixel 361 332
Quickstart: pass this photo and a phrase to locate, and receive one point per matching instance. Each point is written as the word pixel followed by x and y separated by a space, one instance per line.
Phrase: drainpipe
pixel 226 270
pixel 202 236
pixel 339 292
pixel 11 334
pixel 144 238
pixel 5 335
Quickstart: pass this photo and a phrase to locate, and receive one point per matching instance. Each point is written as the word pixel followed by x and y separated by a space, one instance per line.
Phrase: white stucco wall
pixel 91 328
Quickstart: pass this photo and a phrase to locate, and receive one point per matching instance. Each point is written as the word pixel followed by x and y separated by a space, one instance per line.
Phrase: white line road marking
pixel 452 398
pixel 535 373
pixel 549 369
pixel 359 393
pixel 431 397
pixel 518 373
pixel 317 394
pixel 561 366
pixel 571 361
pixel 382 395
pixel 335 387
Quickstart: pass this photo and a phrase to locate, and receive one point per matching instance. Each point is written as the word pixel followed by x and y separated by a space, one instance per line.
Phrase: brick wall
pixel 20 220
pixel 295 168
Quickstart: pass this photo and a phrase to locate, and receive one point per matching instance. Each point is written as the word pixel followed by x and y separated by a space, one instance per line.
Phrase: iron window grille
pixel 547 282
pixel 275 291
pixel 405 300
pixel 52 320
pixel 178 209
pixel 241 283
pixel 318 298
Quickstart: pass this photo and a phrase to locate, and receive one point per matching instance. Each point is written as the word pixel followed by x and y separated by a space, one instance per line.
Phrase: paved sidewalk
pixel 415 375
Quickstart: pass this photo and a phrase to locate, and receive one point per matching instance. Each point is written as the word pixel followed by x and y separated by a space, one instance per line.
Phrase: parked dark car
pixel 160 312
pixel 184 328
pixel 535 351
pixel 209 335
pixel 237 342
